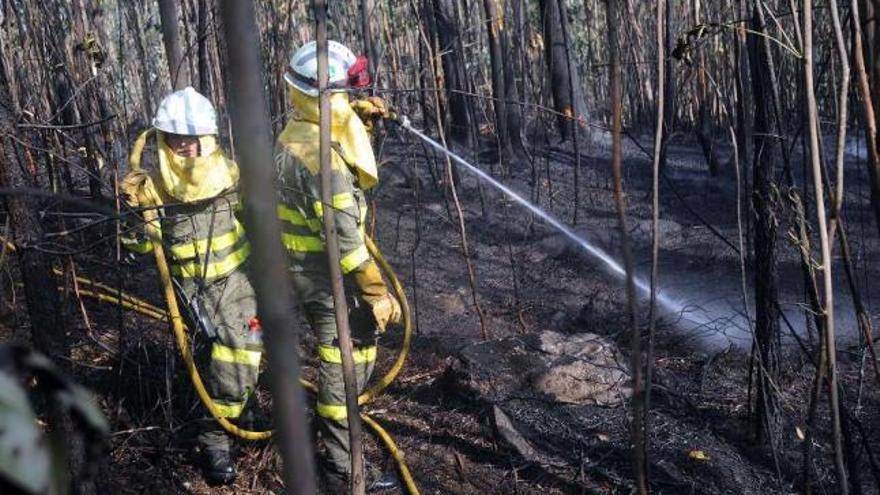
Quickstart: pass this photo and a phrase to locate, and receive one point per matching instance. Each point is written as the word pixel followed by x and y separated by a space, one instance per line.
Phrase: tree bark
pixel 497 47
pixel 178 70
pixel 704 122
pixel 564 83
pixel 202 42
pixel 669 93
pixel 367 34
pixel 763 200
pixel 454 77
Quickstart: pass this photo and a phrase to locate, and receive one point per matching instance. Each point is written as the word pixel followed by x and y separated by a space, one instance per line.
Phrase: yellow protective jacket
pixel 299 182
pixel 199 204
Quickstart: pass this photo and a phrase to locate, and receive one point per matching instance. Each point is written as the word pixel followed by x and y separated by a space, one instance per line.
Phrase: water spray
pixel 592 249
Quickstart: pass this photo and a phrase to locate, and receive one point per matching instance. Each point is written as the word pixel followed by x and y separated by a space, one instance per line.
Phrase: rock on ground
pixel 582 369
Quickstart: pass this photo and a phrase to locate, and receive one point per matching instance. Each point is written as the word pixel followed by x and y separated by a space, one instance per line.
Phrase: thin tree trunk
pixel 133 16
pixel 669 96
pixel 272 286
pixel 639 455
pixel 202 42
pixel 816 158
pixel 83 107
pixel 340 304
pixel 367 34
pixel 512 70
pixel 743 87
pixel 655 212
pixel 704 124
pixel 574 122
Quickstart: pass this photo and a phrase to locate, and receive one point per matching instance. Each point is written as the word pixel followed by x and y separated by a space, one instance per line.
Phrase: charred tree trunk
pixel 83 48
pixel 743 88
pixel 133 19
pixel 763 201
pixel 497 47
pixel 704 121
pixel 178 71
pixel 41 295
pixel 454 77
pixel 670 88
pixel 564 83
pixel 425 11
pixel 202 41
pixel 512 91
pixel 367 34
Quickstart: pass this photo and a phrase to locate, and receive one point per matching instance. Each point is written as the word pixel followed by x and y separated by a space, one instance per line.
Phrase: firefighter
pixel 372 307
pixel 195 187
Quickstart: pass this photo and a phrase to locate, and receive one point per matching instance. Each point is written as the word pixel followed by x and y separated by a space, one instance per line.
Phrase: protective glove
pixel 371 107
pixel 370 110
pixel 374 292
pixel 386 310
pixel 132 187
pixel 139 190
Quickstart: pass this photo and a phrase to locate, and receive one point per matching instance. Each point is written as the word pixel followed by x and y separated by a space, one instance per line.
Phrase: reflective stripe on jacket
pixel 205 240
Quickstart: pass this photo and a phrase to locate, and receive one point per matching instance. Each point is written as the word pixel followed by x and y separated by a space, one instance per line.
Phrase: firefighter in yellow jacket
pixel 195 186
pixel 372 307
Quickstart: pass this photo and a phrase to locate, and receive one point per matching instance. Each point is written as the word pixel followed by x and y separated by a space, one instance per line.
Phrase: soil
pixel 528 280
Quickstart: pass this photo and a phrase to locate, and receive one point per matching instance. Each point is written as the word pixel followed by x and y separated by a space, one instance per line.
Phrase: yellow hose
pixel 395 452
pixel 134 306
pixel 392 373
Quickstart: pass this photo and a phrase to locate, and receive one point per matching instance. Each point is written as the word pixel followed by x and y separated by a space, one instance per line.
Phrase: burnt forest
pixel 598 247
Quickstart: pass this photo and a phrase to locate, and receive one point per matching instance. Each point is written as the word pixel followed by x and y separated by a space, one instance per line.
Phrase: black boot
pixel 218 467
pixel 216 457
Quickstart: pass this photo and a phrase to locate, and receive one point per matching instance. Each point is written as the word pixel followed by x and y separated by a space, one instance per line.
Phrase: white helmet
pixel 186 112
pixel 302 72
